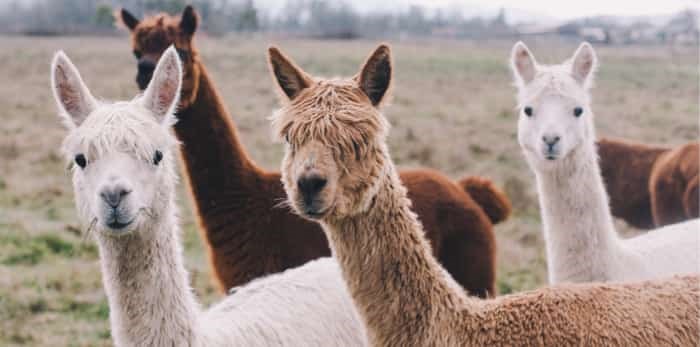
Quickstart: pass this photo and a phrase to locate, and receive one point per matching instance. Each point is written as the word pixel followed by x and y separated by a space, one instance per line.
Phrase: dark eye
pixel 80 160
pixel 184 54
pixel 157 157
pixel 578 111
pixel 528 111
pixel 137 54
pixel 286 138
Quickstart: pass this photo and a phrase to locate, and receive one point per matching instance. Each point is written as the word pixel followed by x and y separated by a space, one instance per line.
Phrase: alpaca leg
pixel 690 198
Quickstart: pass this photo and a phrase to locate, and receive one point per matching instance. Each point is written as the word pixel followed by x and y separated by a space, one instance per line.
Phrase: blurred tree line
pixel 314 18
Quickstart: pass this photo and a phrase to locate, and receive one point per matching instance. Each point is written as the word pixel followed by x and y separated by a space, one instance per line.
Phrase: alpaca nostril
pixel 114 196
pixel 310 186
pixel 550 140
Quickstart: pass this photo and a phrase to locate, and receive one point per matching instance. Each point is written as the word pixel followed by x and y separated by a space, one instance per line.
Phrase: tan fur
pixel 404 296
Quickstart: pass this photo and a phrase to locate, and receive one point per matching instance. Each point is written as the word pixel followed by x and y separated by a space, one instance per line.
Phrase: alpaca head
pixel 334 135
pixel 151 36
pixel 121 154
pixel 555 118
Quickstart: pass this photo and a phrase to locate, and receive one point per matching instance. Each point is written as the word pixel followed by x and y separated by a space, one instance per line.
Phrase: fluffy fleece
pixel 557 134
pixel 403 294
pixel 150 299
pixel 247 232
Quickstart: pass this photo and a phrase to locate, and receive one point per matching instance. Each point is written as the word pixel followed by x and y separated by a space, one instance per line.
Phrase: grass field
pixel 453 109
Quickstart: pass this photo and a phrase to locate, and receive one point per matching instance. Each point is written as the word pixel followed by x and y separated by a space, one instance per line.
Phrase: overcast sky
pixel 520 9
pixel 556 9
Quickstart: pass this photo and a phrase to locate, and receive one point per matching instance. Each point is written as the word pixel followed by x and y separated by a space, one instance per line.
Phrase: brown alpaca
pixel 650 186
pixel 335 132
pixel 237 202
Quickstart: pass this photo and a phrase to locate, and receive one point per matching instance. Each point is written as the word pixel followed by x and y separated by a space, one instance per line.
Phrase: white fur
pixel 151 301
pixel 581 241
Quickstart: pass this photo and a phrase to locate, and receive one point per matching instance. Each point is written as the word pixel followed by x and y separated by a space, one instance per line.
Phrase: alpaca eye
pixel 157 157
pixel 137 54
pixel 578 111
pixel 286 138
pixel 528 111
pixel 184 55
pixel 80 160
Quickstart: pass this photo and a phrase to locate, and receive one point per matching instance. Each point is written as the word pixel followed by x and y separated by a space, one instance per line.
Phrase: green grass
pixel 453 110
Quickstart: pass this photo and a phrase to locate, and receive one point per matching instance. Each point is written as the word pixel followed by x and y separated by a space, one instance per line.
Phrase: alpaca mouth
pixel 117 225
pixel 550 155
pixel 314 213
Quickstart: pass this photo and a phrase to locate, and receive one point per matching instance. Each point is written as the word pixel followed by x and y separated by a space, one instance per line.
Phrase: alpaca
pixel 124 180
pixel 557 135
pixel 237 202
pixel 650 186
pixel 335 132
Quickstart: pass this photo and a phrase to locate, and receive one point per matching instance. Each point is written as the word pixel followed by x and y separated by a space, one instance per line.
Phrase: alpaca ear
pixel 163 92
pixel 74 100
pixel 289 77
pixel 583 64
pixel 375 76
pixel 189 20
pixel 523 64
pixel 125 17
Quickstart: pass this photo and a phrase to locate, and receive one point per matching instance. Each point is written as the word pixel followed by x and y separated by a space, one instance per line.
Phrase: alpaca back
pixel 673 247
pixel 651 313
pixel 305 306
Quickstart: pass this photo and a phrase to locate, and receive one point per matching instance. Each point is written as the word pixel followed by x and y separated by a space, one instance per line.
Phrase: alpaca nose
pixel 551 140
pixel 114 195
pixel 310 186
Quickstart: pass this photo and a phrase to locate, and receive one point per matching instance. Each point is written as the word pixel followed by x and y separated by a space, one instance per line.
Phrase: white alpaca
pixel 124 180
pixel 557 135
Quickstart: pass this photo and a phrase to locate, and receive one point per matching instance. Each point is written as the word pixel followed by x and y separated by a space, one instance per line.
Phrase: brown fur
pixel 402 293
pixel 238 203
pixel 650 186
pixel 488 196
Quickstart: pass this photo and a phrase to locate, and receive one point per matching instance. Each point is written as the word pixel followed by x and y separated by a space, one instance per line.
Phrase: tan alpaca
pixel 335 137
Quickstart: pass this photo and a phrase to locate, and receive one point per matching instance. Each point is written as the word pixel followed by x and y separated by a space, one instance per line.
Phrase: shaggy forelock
pixel 552 80
pixel 123 126
pixel 156 33
pixel 335 113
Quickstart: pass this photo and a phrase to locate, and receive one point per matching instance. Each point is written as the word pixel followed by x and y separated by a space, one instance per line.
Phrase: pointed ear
pixel 375 75
pixel 74 100
pixel 583 64
pixel 189 20
pixel 523 64
pixel 289 77
pixel 163 92
pixel 127 19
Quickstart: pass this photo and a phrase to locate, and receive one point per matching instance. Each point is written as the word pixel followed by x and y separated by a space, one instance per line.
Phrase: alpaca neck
pixel 387 263
pixel 150 300
pixel 578 229
pixel 218 168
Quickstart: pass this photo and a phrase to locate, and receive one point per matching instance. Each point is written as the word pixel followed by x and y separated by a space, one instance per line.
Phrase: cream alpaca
pixel 557 134
pixel 124 179
pixel 336 144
